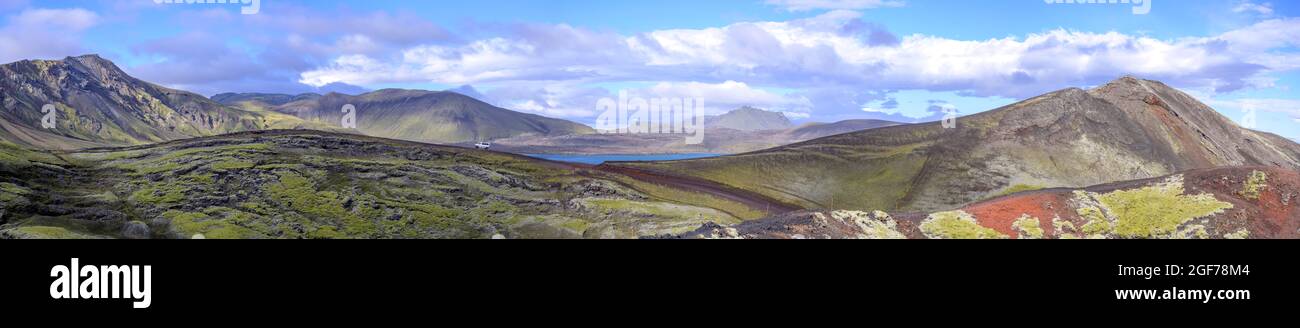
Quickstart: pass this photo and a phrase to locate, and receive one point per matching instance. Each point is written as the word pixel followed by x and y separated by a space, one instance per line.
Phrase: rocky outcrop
pixel 1221 203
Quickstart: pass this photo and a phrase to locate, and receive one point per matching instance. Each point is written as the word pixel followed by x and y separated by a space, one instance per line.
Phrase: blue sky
pixel 816 60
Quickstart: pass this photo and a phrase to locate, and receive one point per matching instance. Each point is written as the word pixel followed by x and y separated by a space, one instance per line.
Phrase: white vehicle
pixel 483 145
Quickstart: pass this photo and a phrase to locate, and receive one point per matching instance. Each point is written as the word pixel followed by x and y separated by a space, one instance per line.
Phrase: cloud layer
pixel 44 33
pixel 835 62
pixel 832 64
pixel 806 5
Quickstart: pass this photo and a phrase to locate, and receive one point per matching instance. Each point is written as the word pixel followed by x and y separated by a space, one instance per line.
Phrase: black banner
pixel 333 279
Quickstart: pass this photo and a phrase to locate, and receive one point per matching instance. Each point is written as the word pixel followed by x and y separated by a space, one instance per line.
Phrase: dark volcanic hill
pixel 1220 203
pixel 429 116
pixel 1129 129
pixel 98 104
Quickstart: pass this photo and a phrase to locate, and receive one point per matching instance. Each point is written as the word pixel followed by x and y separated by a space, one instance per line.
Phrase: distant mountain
pixel 97 104
pixel 271 99
pixel 1128 129
pixel 717 140
pixel 1219 203
pixel 749 119
pixel 428 116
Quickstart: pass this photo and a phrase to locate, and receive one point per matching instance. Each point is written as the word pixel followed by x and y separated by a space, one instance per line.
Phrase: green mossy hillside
pixel 299 184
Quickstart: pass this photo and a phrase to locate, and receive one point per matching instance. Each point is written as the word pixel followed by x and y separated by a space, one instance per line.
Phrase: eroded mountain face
pixel 96 104
pixel 1222 203
pixel 1127 130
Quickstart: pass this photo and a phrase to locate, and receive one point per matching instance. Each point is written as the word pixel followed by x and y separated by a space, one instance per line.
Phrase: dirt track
pixel 751 199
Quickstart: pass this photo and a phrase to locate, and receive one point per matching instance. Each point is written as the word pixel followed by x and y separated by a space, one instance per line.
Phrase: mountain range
pixel 415 115
pixel 97 104
pixel 261 99
pixel 741 130
pixel 129 159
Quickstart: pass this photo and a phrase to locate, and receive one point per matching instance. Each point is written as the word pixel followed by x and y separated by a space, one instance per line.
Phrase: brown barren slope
pixel 1129 129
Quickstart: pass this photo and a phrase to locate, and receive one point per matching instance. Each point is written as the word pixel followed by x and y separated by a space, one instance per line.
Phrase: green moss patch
pixel 957 225
pixel 46 232
pixel 231 165
pixel 189 224
pixel 159 194
pixel 1018 189
pixel 1028 227
pixel 1158 211
pixel 1254 184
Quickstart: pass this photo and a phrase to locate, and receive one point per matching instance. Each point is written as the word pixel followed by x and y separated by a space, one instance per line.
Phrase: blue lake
pixel 601 158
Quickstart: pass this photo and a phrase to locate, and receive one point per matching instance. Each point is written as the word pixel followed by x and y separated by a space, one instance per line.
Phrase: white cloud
pixel 44 33
pixel 818 49
pixel 572 100
pixel 1265 9
pixel 561 99
pixel 725 96
pixel 1277 105
pixel 806 5
pixel 1239 108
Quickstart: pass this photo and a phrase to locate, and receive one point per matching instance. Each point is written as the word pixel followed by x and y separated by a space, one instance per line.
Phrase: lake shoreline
pixel 597 159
